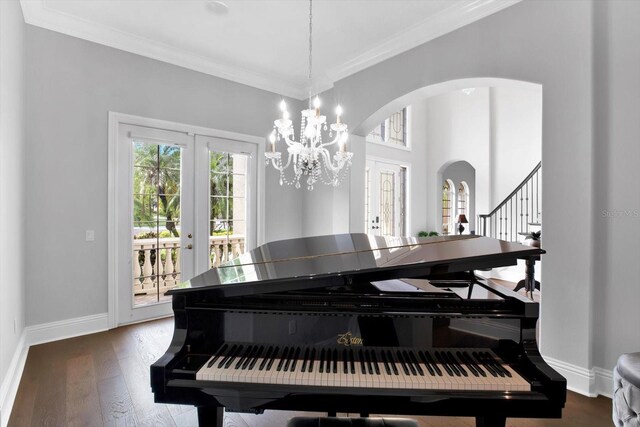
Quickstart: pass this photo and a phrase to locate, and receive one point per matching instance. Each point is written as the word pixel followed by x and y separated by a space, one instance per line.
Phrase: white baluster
pixel 159 266
pixel 137 272
pixel 169 267
pixel 147 270
pixel 178 256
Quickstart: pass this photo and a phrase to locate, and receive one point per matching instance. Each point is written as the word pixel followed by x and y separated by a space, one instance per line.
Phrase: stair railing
pixel 519 210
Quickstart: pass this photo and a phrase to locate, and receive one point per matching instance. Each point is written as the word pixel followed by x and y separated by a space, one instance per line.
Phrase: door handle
pixel 189 246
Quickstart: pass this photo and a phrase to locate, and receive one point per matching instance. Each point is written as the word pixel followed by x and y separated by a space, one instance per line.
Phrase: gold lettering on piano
pixel 348 339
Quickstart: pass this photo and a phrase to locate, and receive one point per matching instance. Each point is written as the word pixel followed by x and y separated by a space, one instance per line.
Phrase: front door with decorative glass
pixel 385 198
pixel 185 203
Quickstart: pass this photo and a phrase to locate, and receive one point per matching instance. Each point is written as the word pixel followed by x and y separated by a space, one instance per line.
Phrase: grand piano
pixel 360 324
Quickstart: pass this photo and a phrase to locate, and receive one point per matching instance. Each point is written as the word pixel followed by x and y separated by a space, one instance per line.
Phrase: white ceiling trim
pixel 458 15
pixel 36 13
pixel 461 13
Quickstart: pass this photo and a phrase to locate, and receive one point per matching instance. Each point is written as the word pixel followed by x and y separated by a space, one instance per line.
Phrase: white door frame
pixel 115 121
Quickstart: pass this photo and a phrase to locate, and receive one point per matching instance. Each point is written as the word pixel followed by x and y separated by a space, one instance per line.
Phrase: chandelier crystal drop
pixel 310 156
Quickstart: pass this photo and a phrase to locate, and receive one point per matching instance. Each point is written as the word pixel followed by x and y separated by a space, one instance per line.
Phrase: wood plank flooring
pixel 103 380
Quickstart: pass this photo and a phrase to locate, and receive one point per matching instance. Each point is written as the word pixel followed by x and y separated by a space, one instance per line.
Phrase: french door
pixel 185 203
pixel 385 198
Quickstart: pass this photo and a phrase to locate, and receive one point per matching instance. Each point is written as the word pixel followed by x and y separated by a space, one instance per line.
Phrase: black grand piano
pixel 360 324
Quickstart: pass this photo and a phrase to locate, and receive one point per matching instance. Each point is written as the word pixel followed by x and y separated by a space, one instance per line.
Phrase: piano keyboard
pixel 367 367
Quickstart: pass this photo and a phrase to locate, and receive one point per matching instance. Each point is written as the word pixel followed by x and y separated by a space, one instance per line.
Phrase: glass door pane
pixel 228 206
pixel 156 221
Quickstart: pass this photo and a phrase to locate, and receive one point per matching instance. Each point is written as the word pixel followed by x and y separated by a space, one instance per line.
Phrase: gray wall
pixel 73 84
pixel 12 187
pixel 616 207
pixel 549 43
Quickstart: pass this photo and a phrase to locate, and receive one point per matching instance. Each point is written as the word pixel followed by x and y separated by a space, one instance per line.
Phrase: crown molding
pixel 461 13
pixel 38 14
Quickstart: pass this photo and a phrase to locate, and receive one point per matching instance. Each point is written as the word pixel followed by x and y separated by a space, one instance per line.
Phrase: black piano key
pixel 385 362
pixel 426 363
pixel 481 360
pixel 409 363
pixel 321 362
pixel 374 358
pixel 433 363
pixel 303 368
pixel 227 356
pixel 230 356
pixel 352 361
pixel 463 359
pixel 256 356
pixel 243 356
pixel 335 361
pixel 367 355
pixel 497 364
pixel 405 368
pixel 283 359
pixel 363 369
pixel 392 363
pixel 218 354
pixel 327 365
pixel 266 358
pixel 288 364
pixel 457 369
pixel 475 364
pixel 345 362
pixel 233 356
pixel 272 359
pixel 444 364
pixel 491 362
pixel 312 357
pixel 415 362
pixel 249 358
pixel 295 359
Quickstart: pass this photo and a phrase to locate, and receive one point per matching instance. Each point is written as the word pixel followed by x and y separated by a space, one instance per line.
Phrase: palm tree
pixel 157 174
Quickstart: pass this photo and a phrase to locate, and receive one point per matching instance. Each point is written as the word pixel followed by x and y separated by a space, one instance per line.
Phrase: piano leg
pixel 491 421
pixel 210 416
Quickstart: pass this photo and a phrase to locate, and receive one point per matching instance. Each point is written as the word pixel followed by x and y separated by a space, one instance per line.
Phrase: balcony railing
pixel 153 273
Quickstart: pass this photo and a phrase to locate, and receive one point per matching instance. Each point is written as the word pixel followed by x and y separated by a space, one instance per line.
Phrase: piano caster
pixel 491 421
pixel 211 416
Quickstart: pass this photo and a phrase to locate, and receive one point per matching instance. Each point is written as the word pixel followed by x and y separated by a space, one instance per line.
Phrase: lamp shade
pixel 462 219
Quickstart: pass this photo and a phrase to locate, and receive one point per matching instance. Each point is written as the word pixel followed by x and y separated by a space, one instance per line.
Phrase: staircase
pixel 518 214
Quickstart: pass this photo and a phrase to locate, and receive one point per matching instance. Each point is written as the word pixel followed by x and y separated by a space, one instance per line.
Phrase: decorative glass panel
pixel 403 201
pixel 387 203
pixel 393 130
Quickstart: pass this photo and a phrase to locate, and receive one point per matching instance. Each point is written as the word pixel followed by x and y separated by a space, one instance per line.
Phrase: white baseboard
pixel 69 328
pixel 579 379
pixel 40 334
pixel 11 381
pixel 604 382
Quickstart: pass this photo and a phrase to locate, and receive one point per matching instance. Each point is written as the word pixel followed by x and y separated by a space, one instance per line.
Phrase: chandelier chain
pixel 310 44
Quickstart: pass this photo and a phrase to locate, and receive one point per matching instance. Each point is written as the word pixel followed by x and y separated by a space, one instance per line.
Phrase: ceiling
pixel 262 43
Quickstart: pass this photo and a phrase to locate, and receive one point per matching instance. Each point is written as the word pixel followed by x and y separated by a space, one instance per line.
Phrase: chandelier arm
pixel 331 142
pixel 328 162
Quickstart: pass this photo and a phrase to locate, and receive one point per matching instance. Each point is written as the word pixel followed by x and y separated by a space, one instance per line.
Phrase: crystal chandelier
pixel 310 157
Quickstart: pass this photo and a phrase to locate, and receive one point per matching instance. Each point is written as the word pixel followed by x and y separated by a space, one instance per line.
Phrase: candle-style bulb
pixel 285 115
pixel 338 110
pixel 316 103
pixel 283 106
pixel 272 137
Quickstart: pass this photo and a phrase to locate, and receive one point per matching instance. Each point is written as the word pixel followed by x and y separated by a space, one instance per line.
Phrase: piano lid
pixel 301 263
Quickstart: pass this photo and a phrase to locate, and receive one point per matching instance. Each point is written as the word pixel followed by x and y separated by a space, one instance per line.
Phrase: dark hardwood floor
pixel 103 379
